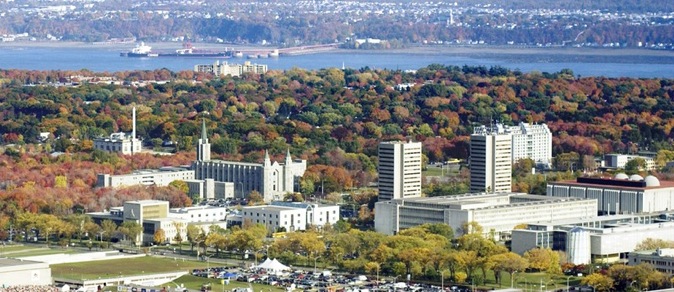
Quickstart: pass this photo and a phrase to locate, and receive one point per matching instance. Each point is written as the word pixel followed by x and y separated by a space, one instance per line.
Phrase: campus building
pixel 271 179
pixel 153 215
pixel 621 194
pixel 605 239
pixel 120 142
pixel 533 141
pixel 233 70
pixel 148 177
pixel 490 160
pixel 618 161
pixel 16 272
pixel 291 216
pixel 661 259
pixel 399 170
pixel 497 213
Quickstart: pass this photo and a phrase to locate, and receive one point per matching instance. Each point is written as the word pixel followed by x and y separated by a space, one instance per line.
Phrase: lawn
pixel 532 281
pixel 19 251
pixel 123 267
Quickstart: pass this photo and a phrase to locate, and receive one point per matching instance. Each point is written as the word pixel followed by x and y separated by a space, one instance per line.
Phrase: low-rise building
pixel 497 213
pixel 157 177
pixel 618 161
pixel 619 195
pixel 290 216
pixel 15 272
pixel 661 259
pixel 153 215
pixel 120 142
pixel 609 238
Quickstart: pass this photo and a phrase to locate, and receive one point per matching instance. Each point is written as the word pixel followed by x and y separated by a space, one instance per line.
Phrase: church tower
pixel 203 147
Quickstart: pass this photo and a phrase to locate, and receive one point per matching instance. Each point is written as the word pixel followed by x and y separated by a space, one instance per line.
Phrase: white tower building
pixel 399 170
pixel 203 147
pixel 490 160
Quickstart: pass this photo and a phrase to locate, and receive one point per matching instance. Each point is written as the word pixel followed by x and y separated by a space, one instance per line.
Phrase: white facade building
pixel 497 213
pixel 528 141
pixel 611 237
pixel 234 70
pixel 618 161
pixel 399 170
pixel 291 216
pixel 120 142
pixel 15 272
pixel 619 195
pixel 157 177
pixel 490 161
pixel 153 215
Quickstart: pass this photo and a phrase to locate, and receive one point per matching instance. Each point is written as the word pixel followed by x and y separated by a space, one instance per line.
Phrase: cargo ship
pixel 188 50
pixel 140 51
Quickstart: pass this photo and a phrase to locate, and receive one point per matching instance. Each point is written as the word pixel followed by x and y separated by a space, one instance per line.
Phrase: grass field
pixel 123 267
pixel 18 251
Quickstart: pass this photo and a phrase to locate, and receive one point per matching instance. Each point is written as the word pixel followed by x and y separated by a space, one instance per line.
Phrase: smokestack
pixel 133 134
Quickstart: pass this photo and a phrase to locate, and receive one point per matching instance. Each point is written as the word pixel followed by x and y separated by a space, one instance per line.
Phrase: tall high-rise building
pixel 399 170
pixel 528 141
pixel 491 161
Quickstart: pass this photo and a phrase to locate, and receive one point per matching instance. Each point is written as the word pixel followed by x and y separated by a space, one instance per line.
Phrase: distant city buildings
pixel 120 142
pixel 497 213
pixel 399 170
pixel 234 70
pixel 490 161
pixel 291 216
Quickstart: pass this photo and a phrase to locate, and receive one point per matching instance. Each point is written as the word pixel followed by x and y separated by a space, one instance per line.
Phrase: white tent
pixel 273 265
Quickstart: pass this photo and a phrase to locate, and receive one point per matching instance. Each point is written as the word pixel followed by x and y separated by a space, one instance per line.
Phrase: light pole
pixel 567 283
pixel 315 259
pixel 442 280
pixel 512 278
pixel 100 241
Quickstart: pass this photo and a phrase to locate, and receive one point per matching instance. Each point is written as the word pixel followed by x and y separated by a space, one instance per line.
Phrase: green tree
pixel 108 228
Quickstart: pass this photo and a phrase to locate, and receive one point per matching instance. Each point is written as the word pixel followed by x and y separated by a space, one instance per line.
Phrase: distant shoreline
pixel 430 50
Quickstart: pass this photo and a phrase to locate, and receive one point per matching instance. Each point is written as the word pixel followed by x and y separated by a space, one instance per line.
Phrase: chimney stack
pixel 133 134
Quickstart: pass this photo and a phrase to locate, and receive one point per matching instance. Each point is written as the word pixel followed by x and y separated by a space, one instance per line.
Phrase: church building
pixel 271 179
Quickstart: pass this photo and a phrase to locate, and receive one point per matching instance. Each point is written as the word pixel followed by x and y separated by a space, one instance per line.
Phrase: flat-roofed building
pixel 661 259
pixel 148 177
pixel 399 170
pixel 15 272
pixel 611 238
pixel 153 215
pixel 290 216
pixel 497 213
pixel 233 70
pixel 490 161
pixel 120 142
pixel 621 194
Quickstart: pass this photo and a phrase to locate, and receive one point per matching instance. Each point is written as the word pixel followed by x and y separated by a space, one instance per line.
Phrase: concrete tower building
pixel 399 170
pixel 490 160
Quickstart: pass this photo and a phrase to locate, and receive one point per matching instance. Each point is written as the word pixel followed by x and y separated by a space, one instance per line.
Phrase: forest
pixel 332 118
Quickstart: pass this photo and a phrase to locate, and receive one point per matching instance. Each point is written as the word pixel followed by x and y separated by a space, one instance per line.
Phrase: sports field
pixel 123 267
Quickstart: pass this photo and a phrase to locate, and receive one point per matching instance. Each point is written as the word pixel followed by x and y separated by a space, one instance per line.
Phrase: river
pixel 105 58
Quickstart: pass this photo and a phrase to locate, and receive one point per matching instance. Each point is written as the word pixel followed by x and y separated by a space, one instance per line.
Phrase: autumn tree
pixel 508 262
pixel 543 259
pixel 159 237
pixel 598 282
